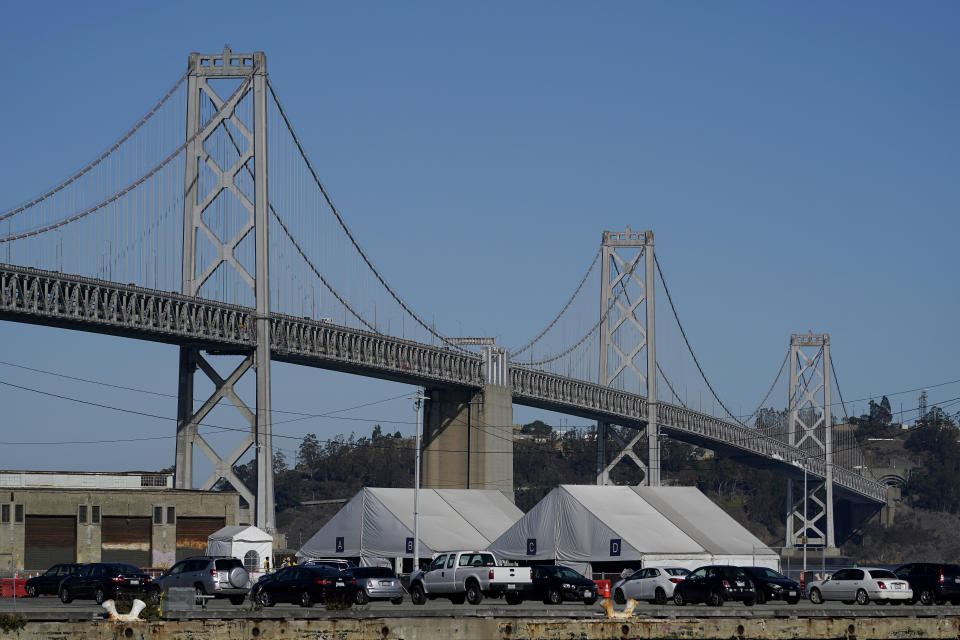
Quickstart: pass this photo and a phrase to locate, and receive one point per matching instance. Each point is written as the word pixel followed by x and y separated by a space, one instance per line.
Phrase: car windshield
pixel 881 573
pixel 764 572
pixel 228 563
pixel 123 568
pixel 732 573
pixel 373 572
pixel 677 571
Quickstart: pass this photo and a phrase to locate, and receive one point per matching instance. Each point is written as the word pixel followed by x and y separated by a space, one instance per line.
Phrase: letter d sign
pixel 615 546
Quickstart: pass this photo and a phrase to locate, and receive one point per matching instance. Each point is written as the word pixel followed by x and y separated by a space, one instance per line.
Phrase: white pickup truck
pixel 469 575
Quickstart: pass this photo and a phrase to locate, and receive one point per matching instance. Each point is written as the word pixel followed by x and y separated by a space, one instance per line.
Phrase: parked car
pixel 654 584
pixel 556 584
pixel 49 581
pixel 337 563
pixel 860 585
pixel 932 581
pixel 102 581
pixel 714 584
pixel 376 583
pixel 217 576
pixel 469 575
pixel 773 585
pixel 304 585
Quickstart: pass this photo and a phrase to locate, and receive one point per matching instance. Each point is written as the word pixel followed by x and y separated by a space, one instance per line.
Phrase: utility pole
pixel 418 403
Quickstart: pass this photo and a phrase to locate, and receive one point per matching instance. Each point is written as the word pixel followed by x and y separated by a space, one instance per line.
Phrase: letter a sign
pixel 340 545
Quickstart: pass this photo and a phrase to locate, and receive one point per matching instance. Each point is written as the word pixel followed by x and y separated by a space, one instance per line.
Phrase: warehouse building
pixel 137 517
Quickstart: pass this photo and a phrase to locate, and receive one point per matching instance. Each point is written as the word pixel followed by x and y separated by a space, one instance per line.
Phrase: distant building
pixel 48 517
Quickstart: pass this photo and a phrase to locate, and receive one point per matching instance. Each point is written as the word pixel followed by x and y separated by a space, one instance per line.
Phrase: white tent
pixel 248 543
pixel 578 525
pixel 378 523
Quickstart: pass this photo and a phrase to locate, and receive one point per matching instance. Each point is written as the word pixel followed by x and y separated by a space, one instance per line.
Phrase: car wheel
pixel 554 597
pixel 761 596
pixel 398 600
pixel 679 599
pixel 862 597
pixel 65 596
pixel 99 596
pixel 749 602
pixel 815 596
pixel 265 599
pixel 925 597
pixel 474 595
pixel 618 597
pixel 237 600
pixel 715 599
pixel 417 595
pixel 513 598
pixel 32 591
pixel 660 596
pixel 306 600
pixel 361 597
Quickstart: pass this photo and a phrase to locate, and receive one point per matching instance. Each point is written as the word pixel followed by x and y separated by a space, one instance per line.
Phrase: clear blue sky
pixel 798 163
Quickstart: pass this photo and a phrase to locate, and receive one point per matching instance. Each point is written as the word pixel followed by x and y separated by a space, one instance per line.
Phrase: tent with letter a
pixel 377 524
pixel 583 525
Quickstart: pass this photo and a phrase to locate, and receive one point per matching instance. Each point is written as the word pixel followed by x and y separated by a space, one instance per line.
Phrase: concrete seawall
pixel 496 628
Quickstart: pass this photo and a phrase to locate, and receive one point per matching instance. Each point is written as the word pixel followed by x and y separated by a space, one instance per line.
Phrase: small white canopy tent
pixel 248 543
pixel 378 524
pixel 577 525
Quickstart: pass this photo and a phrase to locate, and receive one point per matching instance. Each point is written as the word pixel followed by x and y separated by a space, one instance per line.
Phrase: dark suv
pixel 49 581
pixel 714 584
pixel 772 585
pixel 217 576
pixel 931 581
pixel 102 581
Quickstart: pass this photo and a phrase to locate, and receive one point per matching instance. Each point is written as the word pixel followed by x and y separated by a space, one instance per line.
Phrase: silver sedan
pixel 654 584
pixel 860 585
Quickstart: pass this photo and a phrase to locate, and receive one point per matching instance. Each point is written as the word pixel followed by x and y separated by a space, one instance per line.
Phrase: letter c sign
pixel 614 546
pixel 531 546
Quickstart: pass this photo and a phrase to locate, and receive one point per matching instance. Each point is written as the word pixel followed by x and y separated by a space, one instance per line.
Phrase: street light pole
pixel 416 485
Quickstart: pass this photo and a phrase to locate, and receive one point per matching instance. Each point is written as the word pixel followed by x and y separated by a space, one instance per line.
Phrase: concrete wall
pixel 126 503
pixel 500 628
pixel 468 439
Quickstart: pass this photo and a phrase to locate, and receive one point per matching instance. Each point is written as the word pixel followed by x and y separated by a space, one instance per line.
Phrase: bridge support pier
pixel 468 439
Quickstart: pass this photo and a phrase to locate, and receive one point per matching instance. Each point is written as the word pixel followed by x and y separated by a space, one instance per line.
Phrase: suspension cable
pixel 102 156
pixel 202 131
pixel 589 333
pixel 562 311
pixel 690 348
pixel 672 390
pixel 772 386
pixel 840 393
pixel 346 230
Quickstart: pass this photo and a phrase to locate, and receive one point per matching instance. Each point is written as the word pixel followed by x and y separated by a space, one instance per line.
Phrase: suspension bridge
pixel 219 238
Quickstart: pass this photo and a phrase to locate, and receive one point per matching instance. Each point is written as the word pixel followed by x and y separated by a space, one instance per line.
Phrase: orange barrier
pixel 9 586
pixel 603 588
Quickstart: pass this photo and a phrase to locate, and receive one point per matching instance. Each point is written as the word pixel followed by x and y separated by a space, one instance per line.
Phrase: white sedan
pixel 861 585
pixel 655 584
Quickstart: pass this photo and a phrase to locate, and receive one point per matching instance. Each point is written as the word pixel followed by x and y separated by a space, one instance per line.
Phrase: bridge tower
pixel 810 428
pixel 468 434
pixel 225 200
pixel 627 283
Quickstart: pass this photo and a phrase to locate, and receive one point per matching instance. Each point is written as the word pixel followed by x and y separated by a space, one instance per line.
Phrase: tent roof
pixel 703 520
pixel 241 533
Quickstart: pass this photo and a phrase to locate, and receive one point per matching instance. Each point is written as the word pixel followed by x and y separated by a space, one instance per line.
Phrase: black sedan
pixel 715 584
pixel 304 585
pixel 771 585
pixel 100 581
pixel 49 581
pixel 555 584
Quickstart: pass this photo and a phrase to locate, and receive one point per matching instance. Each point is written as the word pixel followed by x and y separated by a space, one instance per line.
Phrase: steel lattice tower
pixel 810 428
pixel 624 338
pixel 251 151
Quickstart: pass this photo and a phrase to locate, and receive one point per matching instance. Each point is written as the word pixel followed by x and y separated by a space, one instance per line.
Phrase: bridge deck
pixel 73 302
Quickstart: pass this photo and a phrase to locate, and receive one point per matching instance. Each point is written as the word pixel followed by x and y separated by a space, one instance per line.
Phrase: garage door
pixel 49 540
pixel 192 535
pixel 126 540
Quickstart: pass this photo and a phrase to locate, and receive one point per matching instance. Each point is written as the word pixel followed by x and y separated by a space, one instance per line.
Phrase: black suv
pixel 772 585
pixel 102 581
pixel 305 585
pixel 555 584
pixel 49 581
pixel 931 581
pixel 217 576
pixel 714 584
